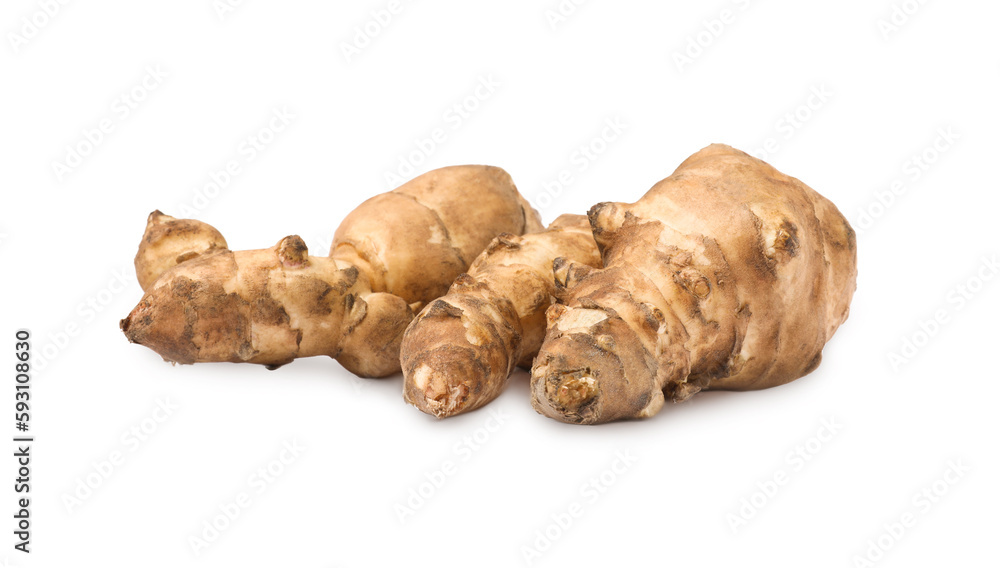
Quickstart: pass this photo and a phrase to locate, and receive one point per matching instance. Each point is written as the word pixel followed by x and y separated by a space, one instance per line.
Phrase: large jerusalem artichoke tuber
pixel 726 275
pixel 395 252
pixel 458 353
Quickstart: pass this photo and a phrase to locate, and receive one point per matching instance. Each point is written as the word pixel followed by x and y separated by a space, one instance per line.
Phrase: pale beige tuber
pixel 459 352
pixel 168 242
pixel 394 253
pixel 726 275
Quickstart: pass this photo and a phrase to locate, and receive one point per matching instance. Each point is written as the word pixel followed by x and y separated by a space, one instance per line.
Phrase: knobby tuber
pixel 726 275
pixel 168 242
pixel 459 352
pixel 394 253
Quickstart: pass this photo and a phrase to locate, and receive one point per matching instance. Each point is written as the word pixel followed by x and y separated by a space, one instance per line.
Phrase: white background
pixel 66 240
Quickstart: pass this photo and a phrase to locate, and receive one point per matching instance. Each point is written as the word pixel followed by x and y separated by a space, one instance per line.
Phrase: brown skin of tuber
pixel 458 353
pixel 168 242
pixel 271 306
pixel 728 275
pixel 415 240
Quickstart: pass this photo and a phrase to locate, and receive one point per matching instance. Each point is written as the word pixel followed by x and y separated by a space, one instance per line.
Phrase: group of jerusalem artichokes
pixel 727 275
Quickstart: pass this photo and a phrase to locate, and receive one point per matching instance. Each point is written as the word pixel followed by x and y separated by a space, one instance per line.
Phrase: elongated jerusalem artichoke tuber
pixel 726 275
pixel 271 306
pixel 458 353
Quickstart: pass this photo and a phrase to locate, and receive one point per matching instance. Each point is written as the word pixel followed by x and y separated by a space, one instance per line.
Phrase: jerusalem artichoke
pixel 458 353
pixel 168 242
pixel 392 254
pixel 726 275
